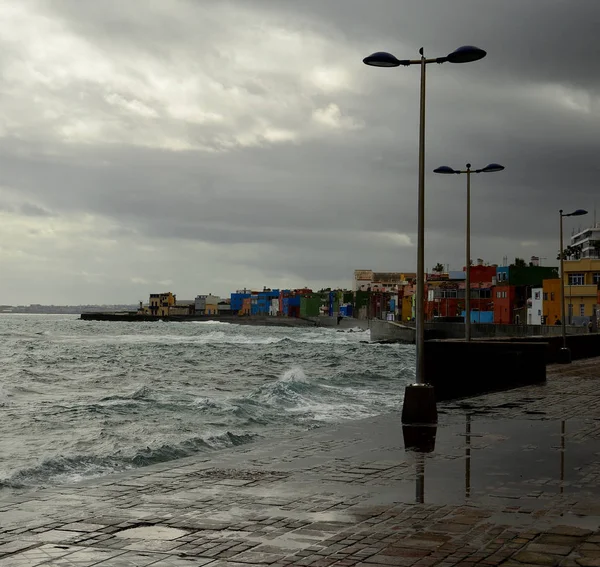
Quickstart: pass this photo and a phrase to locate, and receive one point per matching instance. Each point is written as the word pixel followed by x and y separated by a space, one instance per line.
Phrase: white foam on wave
pixel 294 374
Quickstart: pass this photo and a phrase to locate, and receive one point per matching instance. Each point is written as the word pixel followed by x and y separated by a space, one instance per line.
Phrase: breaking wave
pixel 82 399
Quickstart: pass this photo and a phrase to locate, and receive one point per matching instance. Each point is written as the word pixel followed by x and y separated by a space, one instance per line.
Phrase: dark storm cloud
pixel 255 124
pixel 531 40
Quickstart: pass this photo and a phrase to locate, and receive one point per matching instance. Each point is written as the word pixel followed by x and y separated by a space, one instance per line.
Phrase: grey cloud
pixel 324 202
pixel 32 210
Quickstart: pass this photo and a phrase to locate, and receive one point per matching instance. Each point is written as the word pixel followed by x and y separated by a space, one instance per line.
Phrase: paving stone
pixel 549 549
pixel 569 531
pixel 37 556
pixel 14 546
pixel 388 560
pixel 538 558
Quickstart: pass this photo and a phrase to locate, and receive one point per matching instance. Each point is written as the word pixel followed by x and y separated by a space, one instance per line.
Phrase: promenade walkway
pixel 513 480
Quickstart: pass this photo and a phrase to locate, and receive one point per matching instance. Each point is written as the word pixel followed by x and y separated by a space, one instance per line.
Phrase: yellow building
pixel 581 279
pixel 160 303
pixel 408 303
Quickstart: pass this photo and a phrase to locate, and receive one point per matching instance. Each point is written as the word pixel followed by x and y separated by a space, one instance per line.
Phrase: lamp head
pixel 466 54
pixel 492 167
pixel 381 59
pixel 446 170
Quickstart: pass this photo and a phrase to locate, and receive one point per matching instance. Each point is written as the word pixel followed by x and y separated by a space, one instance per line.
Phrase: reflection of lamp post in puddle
pixel 562 456
pixel 419 439
pixel 468 457
pixel 420 478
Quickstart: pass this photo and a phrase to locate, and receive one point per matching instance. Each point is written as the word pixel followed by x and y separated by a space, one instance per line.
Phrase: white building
pixel 535 306
pixel 365 280
pixel 589 240
pixel 202 301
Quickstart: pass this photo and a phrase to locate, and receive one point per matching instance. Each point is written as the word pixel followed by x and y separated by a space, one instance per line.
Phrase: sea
pixel 82 399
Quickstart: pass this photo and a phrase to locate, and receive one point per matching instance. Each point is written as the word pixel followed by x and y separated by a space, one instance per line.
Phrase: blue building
pixel 237 300
pixel 261 303
pixel 502 275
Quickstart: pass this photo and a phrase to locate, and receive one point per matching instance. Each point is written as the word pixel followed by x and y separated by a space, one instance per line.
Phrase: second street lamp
pixel 412 411
pixel 444 169
pixel 565 352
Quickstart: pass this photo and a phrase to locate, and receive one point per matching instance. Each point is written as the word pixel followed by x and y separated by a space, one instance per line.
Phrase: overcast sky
pixel 207 145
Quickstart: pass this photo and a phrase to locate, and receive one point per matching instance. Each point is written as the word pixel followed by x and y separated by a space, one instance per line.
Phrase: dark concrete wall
pixel 388 331
pixel 489 330
pixel 582 346
pixel 458 369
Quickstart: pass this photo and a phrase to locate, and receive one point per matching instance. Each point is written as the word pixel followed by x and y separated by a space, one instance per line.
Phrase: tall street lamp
pixel 564 354
pixel 444 169
pixel 419 400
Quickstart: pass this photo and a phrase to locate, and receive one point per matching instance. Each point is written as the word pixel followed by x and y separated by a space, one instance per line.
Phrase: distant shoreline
pixel 256 320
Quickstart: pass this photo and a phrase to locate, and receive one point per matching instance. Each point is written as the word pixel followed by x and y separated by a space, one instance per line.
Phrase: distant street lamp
pixel 444 169
pixel 565 352
pixel 419 396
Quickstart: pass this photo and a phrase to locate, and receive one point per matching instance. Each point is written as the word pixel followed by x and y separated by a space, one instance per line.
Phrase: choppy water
pixel 82 398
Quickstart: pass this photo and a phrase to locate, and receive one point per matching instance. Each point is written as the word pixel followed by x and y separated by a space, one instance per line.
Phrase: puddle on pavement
pixel 526 461
pixel 162 533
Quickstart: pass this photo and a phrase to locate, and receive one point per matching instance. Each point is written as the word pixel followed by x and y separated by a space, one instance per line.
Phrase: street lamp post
pixel 564 354
pixel 419 401
pixel 444 169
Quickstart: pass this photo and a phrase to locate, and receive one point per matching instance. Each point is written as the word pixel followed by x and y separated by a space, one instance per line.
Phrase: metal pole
pixel 562 284
pixel 420 315
pixel 468 260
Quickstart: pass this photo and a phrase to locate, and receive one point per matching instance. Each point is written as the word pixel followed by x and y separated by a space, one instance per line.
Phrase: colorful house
pixel 582 281
pixel 513 289
pixel 551 301
pixel 159 304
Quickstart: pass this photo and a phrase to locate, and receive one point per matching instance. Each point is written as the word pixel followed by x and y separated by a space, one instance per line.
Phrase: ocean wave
pixel 240 336
pixel 90 396
pixel 73 468
pixel 141 393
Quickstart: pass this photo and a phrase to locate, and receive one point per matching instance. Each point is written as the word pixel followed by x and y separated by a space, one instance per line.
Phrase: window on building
pixel 596 278
pixel 581 309
pixel 551 296
pixel 498 295
pixel 537 295
pixel 545 296
pixel 576 279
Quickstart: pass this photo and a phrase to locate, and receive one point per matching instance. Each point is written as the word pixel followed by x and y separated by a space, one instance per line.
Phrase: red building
pixel 483 274
pixel 504 302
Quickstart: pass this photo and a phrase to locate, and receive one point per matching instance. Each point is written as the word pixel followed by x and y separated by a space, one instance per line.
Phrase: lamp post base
pixel 419 405
pixel 419 438
pixel 564 355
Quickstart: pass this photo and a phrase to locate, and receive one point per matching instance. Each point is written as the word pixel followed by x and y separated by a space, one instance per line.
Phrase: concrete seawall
pixel 386 331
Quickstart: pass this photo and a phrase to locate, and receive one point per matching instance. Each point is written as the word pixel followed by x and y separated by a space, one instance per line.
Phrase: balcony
pixel 589 290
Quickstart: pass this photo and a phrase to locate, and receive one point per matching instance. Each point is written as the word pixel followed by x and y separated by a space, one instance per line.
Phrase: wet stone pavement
pixel 512 480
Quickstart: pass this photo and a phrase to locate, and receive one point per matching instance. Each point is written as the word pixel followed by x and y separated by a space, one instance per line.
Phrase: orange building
pixel 551 301
pixel 246 306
